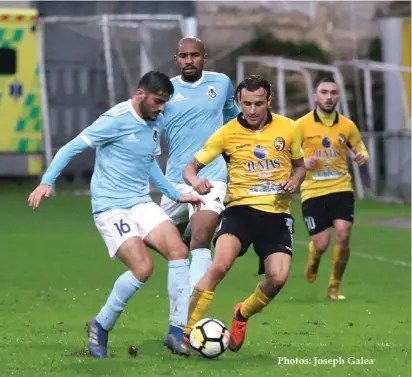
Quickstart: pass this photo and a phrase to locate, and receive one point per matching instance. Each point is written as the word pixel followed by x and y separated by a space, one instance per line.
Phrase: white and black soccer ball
pixel 210 337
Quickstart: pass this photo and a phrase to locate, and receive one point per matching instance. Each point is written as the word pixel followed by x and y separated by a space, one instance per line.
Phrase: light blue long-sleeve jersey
pixel 193 114
pixel 126 147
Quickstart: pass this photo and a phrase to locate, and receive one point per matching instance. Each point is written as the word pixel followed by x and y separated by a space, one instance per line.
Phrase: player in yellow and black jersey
pixel 265 167
pixel 327 194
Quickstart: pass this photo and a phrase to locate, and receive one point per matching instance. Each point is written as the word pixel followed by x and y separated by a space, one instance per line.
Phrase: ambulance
pixel 21 126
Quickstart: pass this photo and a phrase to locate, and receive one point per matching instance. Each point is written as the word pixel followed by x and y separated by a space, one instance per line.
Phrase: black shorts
pixel 320 212
pixel 268 232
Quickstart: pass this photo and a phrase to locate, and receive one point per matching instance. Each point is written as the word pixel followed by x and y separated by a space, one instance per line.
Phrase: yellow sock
pixel 199 302
pixel 254 303
pixel 339 261
pixel 313 253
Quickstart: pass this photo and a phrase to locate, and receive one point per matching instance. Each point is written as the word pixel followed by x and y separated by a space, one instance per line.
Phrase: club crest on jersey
pixel 280 143
pixel 326 142
pixel 211 92
pixel 341 139
pixel 155 135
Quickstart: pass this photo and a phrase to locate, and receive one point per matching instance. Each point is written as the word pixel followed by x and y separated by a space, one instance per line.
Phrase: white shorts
pixel 182 212
pixel 118 225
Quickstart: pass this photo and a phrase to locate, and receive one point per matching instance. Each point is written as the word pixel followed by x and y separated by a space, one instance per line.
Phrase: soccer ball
pixel 210 337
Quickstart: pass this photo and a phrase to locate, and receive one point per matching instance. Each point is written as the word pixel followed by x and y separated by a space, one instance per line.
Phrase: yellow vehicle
pixel 21 128
pixel 406 62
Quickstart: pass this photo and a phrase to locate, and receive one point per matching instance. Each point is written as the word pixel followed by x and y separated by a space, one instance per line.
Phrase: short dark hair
pixel 253 83
pixel 194 40
pixel 156 82
pixel 329 79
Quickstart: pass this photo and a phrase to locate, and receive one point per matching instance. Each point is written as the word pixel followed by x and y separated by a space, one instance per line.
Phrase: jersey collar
pixel 245 124
pixel 192 84
pixel 133 111
pixel 317 119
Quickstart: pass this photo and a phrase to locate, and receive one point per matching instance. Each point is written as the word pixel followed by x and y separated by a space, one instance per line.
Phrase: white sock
pixel 201 261
pixel 179 291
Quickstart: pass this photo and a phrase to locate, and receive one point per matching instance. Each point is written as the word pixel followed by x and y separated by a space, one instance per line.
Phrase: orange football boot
pixel 238 331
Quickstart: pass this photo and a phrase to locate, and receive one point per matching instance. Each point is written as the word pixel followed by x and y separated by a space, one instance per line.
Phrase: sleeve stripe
pixel 86 139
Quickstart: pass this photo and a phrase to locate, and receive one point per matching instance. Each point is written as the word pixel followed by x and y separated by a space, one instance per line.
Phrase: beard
pixel 192 77
pixel 146 113
pixel 327 110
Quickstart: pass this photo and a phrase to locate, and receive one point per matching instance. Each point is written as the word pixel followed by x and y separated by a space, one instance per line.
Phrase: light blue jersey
pixel 193 114
pixel 126 146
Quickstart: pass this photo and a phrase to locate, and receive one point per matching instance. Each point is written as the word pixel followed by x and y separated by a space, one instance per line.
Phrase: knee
pixel 143 269
pixel 321 245
pixel 201 238
pixel 278 279
pixel 342 237
pixel 180 251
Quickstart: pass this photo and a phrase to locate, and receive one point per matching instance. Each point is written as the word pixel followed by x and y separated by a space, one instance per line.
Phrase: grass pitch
pixel 56 273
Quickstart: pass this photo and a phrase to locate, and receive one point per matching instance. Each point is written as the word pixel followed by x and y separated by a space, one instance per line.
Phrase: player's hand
pixel 290 185
pixel 202 186
pixel 359 158
pixel 310 163
pixel 37 194
pixel 194 200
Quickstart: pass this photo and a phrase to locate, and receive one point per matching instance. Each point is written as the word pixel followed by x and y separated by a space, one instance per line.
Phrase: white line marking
pixel 368 256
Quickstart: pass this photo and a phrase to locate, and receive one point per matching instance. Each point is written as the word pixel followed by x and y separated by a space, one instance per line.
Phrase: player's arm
pixel 298 175
pixel 102 130
pixel 298 164
pixel 159 180
pixel 357 146
pixel 213 148
pixel 230 110
pixel 62 158
pixel 157 177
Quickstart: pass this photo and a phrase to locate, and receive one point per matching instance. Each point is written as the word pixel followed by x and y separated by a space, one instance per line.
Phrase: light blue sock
pixel 124 288
pixel 179 291
pixel 201 261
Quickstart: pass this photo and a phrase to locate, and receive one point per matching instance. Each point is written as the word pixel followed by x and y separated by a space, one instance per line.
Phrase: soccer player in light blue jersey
pixel 126 139
pixel 202 102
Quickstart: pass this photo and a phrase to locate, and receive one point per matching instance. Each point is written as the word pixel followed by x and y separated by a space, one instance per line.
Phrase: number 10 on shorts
pixel 310 222
pixel 122 227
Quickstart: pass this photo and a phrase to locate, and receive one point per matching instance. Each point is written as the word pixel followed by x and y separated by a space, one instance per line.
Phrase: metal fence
pixel 387 174
pixel 113 51
pixel 90 63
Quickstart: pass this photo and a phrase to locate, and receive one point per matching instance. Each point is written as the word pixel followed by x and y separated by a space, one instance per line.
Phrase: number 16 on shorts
pixel 115 227
pixel 122 227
